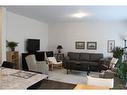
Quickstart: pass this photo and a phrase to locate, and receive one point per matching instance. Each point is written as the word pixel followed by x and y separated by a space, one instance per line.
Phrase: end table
pixel 59 56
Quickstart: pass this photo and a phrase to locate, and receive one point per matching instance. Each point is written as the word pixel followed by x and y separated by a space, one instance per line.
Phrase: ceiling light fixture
pixel 79 15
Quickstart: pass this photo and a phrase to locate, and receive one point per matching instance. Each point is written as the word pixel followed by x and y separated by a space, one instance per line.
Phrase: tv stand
pixel 40 56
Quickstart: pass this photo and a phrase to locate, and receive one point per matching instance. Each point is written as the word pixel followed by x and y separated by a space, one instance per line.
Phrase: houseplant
pixel 118 52
pixel 122 71
pixel 11 45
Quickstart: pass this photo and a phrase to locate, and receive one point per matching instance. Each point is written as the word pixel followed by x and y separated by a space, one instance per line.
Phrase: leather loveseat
pixel 83 61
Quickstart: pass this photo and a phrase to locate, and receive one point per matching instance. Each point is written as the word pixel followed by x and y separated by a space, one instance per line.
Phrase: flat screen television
pixel 33 45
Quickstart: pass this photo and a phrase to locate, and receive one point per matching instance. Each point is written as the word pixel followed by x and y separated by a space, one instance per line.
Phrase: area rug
pixel 74 77
pixel 51 85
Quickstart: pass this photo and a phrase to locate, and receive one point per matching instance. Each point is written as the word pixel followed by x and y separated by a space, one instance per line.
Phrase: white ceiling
pixel 51 14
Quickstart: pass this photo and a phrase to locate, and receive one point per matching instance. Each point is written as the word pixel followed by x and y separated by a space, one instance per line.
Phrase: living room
pixel 57 25
pixel 31 28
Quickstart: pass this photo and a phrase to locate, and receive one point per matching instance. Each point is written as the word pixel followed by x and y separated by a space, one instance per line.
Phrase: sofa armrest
pixel 65 61
pixel 105 63
pixel 66 58
pixel 104 60
pixel 101 61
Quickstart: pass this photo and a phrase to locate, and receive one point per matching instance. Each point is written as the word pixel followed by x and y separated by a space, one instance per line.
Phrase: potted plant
pixel 118 52
pixel 122 71
pixel 12 45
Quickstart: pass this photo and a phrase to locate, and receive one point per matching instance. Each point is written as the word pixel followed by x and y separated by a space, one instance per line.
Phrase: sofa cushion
pixel 84 62
pixel 95 57
pixel 73 62
pixel 84 56
pixel 73 56
pixel 93 63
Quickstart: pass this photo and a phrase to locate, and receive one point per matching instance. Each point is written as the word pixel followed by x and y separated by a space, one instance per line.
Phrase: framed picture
pixel 92 45
pixel 80 45
pixel 111 45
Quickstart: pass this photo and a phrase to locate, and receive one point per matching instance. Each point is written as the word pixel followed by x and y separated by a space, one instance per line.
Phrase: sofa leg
pixel 99 71
pixel 67 71
pixel 88 72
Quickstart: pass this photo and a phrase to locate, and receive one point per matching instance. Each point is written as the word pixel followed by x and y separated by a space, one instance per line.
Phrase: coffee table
pixel 18 79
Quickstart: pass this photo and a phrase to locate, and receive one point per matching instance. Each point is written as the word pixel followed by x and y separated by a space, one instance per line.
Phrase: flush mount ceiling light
pixel 79 15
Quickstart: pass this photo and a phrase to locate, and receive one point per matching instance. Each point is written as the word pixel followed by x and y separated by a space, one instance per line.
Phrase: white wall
pixel 2 34
pixel 67 34
pixel 20 28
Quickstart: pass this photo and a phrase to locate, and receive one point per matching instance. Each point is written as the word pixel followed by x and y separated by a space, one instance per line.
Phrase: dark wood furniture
pixel 13 57
pixel 40 56
pixel 8 64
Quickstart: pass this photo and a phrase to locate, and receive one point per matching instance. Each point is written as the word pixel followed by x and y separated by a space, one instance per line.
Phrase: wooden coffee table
pixel 89 87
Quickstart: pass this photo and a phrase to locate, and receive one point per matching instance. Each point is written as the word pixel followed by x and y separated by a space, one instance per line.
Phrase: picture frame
pixel 91 45
pixel 110 46
pixel 80 45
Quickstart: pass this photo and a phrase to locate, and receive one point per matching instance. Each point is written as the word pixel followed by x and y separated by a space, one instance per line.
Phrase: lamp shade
pixel 59 47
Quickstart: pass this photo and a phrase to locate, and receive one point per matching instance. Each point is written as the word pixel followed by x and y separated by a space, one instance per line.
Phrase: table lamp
pixel 59 47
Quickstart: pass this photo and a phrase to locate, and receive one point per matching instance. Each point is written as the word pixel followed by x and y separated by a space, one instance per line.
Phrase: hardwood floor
pixel 54 85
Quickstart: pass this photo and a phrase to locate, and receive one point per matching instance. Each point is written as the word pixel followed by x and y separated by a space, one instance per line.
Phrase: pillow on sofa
pixel 84 56
pixel 73 55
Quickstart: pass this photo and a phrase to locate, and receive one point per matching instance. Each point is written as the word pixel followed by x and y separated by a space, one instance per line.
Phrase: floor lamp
pixel 125 52
pixel 125 43
pixel 125 48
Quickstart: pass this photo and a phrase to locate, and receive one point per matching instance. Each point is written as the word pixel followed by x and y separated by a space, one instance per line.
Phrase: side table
pixel 59 56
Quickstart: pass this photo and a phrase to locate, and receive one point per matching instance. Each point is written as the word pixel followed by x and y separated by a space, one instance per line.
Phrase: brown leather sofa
pixel 83 61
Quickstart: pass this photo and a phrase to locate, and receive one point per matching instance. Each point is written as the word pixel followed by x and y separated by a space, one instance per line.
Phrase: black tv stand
pixel 40 56
pixel 31 52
